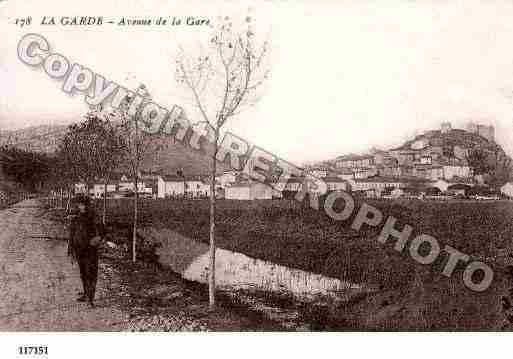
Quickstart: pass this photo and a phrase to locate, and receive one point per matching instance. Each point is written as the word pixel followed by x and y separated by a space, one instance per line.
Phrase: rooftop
pixel 354 157
pixel 344 171
pixel 426 166
pixel 172 178
pixel 333 179
pixel 245 184
pixel 176 178
pixel 383 179
pixel 456 179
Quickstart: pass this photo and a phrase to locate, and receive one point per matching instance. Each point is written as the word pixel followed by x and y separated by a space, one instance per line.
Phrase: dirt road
pixel 38 283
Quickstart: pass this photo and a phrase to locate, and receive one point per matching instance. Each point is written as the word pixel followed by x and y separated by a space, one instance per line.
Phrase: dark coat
pixel 83 228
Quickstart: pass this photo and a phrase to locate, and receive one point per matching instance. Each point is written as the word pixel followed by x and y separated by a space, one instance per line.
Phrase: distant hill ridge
pixel 165 155
pixel 44 138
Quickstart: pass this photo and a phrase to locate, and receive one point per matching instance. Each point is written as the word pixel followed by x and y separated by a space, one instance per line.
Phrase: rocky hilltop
pixel 470 154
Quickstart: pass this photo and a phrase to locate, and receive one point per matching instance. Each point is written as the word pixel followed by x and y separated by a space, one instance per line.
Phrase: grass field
pixel 411 296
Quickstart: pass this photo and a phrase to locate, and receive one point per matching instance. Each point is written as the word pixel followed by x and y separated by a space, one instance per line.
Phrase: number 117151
pixel 28 350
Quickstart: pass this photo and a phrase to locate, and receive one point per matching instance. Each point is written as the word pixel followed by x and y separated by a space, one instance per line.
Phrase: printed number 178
pixel 23 21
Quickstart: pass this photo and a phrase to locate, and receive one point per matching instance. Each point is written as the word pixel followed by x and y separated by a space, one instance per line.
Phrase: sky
pixel 345 75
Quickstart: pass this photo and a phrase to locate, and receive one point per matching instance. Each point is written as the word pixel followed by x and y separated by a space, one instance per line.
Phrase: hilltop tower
pixel 472 127
pixel 446 127
pixel 487 132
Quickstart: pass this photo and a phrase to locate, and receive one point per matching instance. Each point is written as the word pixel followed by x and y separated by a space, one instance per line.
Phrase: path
pixel 38 284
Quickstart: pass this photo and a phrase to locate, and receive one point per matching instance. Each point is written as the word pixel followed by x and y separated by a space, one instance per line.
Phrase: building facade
pixel 170 186
pixel 248 191
pixel 354 161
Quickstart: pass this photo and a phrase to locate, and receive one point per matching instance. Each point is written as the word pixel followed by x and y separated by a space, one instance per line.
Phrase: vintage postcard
pixel 266 166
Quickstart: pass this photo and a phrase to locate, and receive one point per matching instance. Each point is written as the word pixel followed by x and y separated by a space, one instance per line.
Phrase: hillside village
pixel 435 162
pixel 229 185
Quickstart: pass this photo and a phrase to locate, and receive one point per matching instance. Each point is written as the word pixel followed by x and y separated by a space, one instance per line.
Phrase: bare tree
pixel 77 152
pixel 135 146
pixel 89 151
pixel 110 154
pixel 63 174
pixel 222 82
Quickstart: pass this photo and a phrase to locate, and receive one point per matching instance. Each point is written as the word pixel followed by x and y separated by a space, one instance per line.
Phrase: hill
pixel 452 138
pixel 485 157
pixel 44 138
pixel 451 147
pixel 6 185
pixel 164 154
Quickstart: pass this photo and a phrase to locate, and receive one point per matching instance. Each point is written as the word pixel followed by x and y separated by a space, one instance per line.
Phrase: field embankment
pixel 410 296
pixel 190 258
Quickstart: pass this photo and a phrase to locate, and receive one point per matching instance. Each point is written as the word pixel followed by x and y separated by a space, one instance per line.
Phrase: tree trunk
pixel 135 168
pixel 134 233
pixel 104 218
pixel 68 202
pixel 212 250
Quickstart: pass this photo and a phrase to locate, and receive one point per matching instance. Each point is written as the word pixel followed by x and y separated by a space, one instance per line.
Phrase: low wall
pixel 190 258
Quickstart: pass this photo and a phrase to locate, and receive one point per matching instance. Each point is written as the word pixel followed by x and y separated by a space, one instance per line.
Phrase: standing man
pixel 85 237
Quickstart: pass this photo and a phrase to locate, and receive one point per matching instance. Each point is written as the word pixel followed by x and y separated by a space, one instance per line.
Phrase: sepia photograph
pixel 341 170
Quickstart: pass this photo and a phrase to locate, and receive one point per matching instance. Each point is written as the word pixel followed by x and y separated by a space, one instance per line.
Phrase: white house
pixel 95 190
pixel 197 187
pixel 507 189
pixel 354 161
pixel 127 185
pixel 248 191
pixel 227 178
pixel 169 186
pixel 174 185
pixel 377 183
pixel 451 171
pixel 365 172
pixel 98 189
pixel 335 183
